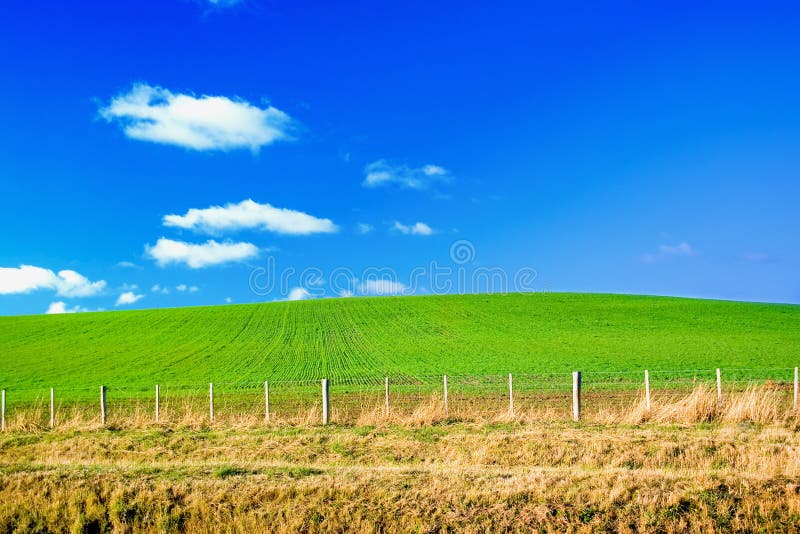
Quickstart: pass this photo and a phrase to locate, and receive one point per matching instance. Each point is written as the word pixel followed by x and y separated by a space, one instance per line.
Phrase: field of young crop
pixel 365 339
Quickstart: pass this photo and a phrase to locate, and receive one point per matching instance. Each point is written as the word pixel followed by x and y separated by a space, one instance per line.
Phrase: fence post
pixel 576 395
pixel 3 412
pixel 326 407
pixel 719 386
pixel 647 389
pixel 510 395
pixel 211 401
pixel 52 408
pixel 796 389
pixel 158 402
pixel 103 405
pixel 266 400
pixel 387 396
pixel 446 407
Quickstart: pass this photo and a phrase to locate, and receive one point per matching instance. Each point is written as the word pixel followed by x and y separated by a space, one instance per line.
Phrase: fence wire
pixel 369 399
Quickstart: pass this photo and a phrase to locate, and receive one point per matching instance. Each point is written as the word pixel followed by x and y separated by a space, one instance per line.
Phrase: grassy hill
pixel 351 338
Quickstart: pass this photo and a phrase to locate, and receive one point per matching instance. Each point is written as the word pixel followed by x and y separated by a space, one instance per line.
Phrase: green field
pixel 366 338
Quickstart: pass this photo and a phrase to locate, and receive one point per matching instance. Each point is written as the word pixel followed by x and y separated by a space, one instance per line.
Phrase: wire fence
pixel 368 399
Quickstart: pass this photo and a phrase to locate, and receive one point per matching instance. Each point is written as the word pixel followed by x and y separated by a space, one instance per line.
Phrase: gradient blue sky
pixel 637 147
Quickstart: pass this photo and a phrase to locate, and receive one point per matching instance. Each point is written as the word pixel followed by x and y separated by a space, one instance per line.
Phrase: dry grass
pixel 764 403
pixel 755 404
pixel 466 477
pixel 690 463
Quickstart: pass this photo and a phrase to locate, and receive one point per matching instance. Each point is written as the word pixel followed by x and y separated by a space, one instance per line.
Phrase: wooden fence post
pixel 211 401
pixel 326 407
pixel 103 405
pixel 158 402
pixel 647 389
pixel 387 396
pixel 796 389
pixel 3 411
pixel 446 407
pixel 510 395
pixel 719 386
pixel 576 395
pixel 52 408
pixel 266 400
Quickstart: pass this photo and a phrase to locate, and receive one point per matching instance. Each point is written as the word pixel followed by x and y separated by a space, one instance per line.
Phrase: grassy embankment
pixel 465 477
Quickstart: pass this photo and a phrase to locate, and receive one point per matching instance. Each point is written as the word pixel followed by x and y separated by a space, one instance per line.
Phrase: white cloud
pixel 419 228
pixel 383 287
pixel 228 300
pixel 56 308
pixel 364 228
pixel 434 170
pixel 298 293
pixel 61 307
pixel 129 297
pixel 667 251
pixel 381 172
pixel 26 278
pixel 128 265
pixel 66 283
pixel 152 113
pixel 184 288
pixel 159 289
pixel 196 256
pixel 73 284
pixel 250 215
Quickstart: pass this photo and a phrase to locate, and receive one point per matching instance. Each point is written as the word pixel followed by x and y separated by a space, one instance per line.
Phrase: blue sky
pixel 181 152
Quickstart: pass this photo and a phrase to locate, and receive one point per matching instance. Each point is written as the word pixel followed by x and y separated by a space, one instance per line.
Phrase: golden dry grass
pixel 547 476
pixel 764 403
pixel 690 464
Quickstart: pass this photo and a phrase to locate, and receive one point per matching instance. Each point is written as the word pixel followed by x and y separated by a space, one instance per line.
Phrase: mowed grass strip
pixel 355 339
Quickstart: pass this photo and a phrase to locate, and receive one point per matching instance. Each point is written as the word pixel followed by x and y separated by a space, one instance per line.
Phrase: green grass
pixel 415 336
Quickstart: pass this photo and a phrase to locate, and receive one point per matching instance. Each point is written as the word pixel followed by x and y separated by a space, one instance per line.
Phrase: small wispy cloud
pixel 667 251
pixel 154 114
pixel 183 288
pixel 199 255
pixel 127 265
pixel 224 3
pixel 160 289
pixel 383 287
pixel 250 215
pixel 298 293
pixel 28 278
pixel 129 297
pixel 418 228
pixel 60 307
pixel 364 228
pixel 382 173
